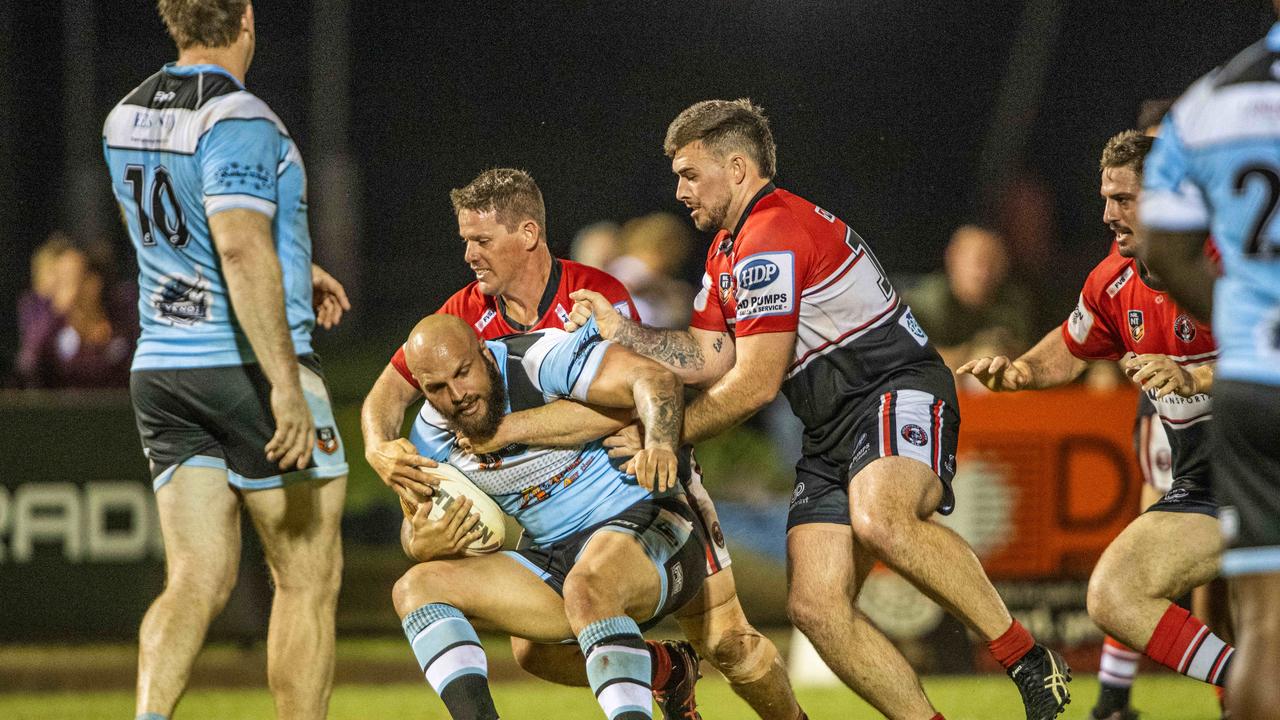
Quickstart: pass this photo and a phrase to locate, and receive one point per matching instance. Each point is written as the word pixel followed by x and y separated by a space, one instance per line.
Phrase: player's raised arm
pixel 627 379
pixel 391 456
pixel 256 286
pixel 1048 364
pixel 752 382
pixel 563 423
pixel 698 357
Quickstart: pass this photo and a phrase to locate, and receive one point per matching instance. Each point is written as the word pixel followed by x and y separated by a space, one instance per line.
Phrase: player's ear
pixel 737 168
pixel 246 20
pixel 530 234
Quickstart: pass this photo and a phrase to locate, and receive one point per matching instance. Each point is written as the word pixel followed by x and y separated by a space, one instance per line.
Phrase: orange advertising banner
pixel 1045 479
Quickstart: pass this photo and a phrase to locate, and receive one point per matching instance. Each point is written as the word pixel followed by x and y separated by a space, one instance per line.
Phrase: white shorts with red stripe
pixel 903 423
pixel 705 514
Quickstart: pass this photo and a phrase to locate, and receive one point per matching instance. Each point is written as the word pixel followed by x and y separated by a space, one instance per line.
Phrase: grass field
pixel 1160 697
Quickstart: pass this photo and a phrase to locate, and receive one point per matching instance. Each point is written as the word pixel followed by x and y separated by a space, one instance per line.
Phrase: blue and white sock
pixel 449 653
pixel 619 668
pixel 151 716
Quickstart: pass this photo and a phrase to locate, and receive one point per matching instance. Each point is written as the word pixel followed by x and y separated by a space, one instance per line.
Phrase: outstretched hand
pixel 997 373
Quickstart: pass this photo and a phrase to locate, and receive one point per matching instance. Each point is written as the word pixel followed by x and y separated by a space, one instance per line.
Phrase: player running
pixel 618 553
pixel 230 401
pixel 520 287
pixel 793 298
pixel 1216 169
pixel 1123 314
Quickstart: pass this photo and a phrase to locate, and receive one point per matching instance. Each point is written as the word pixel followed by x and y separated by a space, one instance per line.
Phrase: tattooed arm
pixel 698 357
pixel 752 382
pixel 626 379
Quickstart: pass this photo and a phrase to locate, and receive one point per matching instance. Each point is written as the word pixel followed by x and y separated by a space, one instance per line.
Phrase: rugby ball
pixel 455 485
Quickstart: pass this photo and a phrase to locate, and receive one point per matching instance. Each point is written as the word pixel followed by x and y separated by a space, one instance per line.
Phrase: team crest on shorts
pixel 717 535
pixel 327 440
pixel 915 435
pixel 1184 328
pixel 1136 328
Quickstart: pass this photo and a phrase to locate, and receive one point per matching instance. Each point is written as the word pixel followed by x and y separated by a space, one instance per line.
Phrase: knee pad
pixel 744 656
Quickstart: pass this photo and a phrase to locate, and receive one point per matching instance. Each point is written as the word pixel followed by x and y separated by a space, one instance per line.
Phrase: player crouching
pixel 606 553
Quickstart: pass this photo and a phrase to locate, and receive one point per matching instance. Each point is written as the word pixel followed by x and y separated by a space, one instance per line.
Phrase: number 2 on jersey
pixel 1253 244
pixel 169 220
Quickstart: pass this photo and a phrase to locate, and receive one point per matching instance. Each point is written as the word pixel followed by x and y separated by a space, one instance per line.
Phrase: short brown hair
pixel 510 193
pixel 722 125
pixel 1127 149
pixel 210 23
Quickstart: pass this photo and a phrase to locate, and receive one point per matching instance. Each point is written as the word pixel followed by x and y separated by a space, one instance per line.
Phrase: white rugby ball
pixel 455 485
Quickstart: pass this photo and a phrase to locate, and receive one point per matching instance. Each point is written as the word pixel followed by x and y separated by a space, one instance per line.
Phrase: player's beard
pixel 483 425
pixel 713 215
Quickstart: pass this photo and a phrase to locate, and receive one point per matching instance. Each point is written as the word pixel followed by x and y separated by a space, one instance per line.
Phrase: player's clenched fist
pixel 399 465
pixel 425 539
pixel 997 373
pixel 587 304
pixel 655 469
pixel 1160 373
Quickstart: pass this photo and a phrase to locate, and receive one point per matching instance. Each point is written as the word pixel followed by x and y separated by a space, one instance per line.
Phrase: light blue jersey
pixel 551 492
pixel 186 144
pixel 1216 169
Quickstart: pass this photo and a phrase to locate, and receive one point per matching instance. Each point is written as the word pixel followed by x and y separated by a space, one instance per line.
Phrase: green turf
pixel 969 698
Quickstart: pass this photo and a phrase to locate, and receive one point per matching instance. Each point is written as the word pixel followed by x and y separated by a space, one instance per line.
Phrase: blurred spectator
pixel 76 329
pixel 972 309
pixel 655 248
pixel 1151 113
pixel 596 245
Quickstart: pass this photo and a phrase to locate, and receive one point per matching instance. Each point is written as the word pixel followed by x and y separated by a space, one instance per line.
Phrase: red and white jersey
pixel 485 312
pixel 792 266
pixel 1118 313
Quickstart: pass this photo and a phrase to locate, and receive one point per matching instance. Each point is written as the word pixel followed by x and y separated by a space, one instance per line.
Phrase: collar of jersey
pixel 173 68
pixel 726 245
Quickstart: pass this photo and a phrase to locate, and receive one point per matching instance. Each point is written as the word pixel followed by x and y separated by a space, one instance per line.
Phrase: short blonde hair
pixel 510 193
pixel 1126 149
pixel 209 23
pixel 724 125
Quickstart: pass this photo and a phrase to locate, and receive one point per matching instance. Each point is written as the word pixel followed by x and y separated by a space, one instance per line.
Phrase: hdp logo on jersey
pixel 915 435
pixel 1136 328
pixel 180 301
pixel 1184 328
pixel 757 273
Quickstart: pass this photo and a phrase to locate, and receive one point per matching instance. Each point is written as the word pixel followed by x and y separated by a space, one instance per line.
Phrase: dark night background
pixel 885 113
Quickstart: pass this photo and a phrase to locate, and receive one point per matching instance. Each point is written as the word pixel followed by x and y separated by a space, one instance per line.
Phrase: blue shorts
pixel 667 529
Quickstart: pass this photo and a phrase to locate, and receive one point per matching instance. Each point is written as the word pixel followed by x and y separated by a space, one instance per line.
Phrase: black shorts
pixel 221 418
pixel 1246 474
pixel 920 423
pixel 1188 495
pixel 667 529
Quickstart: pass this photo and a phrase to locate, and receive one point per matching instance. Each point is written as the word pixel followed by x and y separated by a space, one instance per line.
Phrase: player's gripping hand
pixel 1160 373
pixel 998 373
pixel 328 298
pixel 400 466
pixel 654 468
pixel 626 443
pixel 295 436
pixel 586 304
pixel 446 537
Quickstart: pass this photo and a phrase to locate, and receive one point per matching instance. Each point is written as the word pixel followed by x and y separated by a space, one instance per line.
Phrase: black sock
pixel 468 698
pixel 1112 698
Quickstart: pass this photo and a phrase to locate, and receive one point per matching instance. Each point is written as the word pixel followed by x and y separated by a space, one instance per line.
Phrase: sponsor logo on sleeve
pixel 908 321
pixel 825 215
pixel 1080 322
pixel 765 284
pixel 1184 328
pixel 1136 328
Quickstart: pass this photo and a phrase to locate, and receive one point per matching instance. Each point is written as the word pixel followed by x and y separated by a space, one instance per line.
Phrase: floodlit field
pixel 969 698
